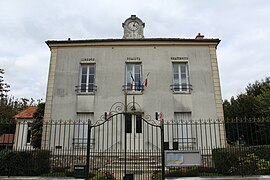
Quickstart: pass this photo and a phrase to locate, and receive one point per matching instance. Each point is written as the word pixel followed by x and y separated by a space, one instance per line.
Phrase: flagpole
pixel 126 100
pixel 125 113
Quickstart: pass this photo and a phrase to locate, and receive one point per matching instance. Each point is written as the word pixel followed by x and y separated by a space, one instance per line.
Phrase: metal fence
pixel 230 147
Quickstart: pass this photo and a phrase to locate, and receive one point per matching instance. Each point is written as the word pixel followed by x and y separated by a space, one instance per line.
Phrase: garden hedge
pixel 241 160
pixel 24 163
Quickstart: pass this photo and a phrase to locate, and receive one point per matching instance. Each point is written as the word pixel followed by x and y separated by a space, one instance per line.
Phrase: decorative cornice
pixel 132 42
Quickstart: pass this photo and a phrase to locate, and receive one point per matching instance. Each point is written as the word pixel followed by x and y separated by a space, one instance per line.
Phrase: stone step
pixel 135 166
pixel 139 157
pixel 132 165
pixel 131 170
pixel 122 161
pixel 141 176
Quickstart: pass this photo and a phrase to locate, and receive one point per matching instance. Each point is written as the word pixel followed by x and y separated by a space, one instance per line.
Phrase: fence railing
pixel 227 147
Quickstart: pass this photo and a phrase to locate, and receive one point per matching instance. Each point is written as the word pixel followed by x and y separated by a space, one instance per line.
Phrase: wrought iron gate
pixel 127 145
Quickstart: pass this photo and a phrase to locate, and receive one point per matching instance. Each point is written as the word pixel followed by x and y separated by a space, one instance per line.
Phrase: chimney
pixel 199 36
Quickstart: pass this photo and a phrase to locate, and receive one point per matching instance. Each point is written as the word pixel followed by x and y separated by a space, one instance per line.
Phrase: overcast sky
pixel 242 25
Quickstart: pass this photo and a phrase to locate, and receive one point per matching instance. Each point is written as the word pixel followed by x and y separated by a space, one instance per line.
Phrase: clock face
pixel 133 25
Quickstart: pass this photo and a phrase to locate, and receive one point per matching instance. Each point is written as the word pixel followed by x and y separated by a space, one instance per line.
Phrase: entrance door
pixel 134 132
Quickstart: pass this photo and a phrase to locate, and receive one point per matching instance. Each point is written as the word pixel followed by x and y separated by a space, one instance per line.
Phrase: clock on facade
pixel 133 28
pixel 133 25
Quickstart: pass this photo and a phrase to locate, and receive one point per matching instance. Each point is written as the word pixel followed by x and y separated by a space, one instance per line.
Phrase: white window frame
pixel 184 132
pixel 180 84
pixel 137 77
pixel 81 131
pixel 88 84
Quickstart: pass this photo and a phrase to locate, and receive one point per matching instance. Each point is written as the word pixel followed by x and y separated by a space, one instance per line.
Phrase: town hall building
pixel 175 76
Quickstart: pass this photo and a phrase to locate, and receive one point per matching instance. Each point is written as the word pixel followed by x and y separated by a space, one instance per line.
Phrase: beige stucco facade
pixel 156 57
pixel 204 101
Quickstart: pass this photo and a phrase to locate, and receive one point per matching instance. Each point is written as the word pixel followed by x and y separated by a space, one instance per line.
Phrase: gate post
pixel 125 145
pixel 162 150
pixel 88 150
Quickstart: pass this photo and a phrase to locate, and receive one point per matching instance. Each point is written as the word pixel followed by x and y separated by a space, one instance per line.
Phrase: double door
pixel 134 132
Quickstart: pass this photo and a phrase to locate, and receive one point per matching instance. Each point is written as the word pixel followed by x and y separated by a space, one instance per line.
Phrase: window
pixel 183 132
pixel 134 77
pixel 29 133
pixel 87 80
pixel 180 77
pixel 128 123
pixel 133 123
pixel 81 130
pixel 138 123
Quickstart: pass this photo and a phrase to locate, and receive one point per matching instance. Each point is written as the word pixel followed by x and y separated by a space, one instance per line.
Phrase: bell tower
pixel 133 28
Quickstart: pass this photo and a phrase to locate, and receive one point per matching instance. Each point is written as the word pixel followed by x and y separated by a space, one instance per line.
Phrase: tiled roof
pixel 26 113
pixel 6 139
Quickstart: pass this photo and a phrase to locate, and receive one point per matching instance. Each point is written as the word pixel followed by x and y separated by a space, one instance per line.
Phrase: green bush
pixel 249 164
pixel 253 160
pixel 100 175
pixel 24 163
pixel 60 172
pixel 186 172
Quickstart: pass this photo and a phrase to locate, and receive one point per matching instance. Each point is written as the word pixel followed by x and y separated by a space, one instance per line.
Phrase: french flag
pixel 146 80
pixel 139 85
pixel 131 83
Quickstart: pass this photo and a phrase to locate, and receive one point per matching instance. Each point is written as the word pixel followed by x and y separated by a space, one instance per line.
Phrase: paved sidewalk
pixel 184 178
pixel 224 178
pixel 35 178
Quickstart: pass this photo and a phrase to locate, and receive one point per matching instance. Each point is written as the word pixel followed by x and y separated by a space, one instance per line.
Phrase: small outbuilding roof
pixel 27 113
pixel 6 139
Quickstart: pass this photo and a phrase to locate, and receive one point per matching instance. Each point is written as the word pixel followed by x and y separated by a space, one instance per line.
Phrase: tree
pixel 257 87
pixel 4 87
pixel 37 126
pixel 244 106
pixel 9 107
pixel 255 102
pixel 248 112
pixel 263 101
